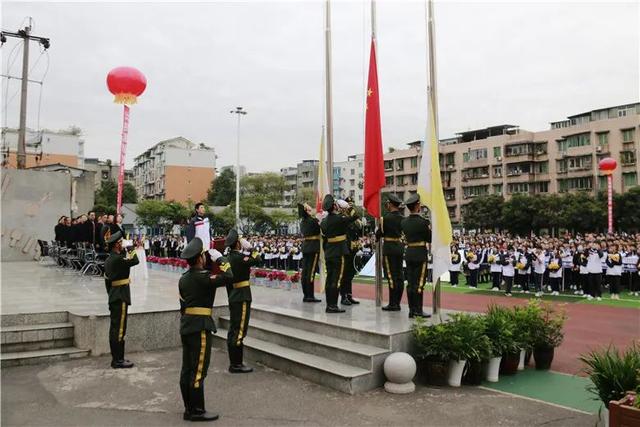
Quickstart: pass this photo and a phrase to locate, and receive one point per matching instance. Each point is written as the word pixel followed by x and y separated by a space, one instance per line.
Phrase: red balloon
pixel 607 164
pixel 126 83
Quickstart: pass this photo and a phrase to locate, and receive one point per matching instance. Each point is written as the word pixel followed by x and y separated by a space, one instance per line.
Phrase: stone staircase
pixel 336 356
pixel 29 339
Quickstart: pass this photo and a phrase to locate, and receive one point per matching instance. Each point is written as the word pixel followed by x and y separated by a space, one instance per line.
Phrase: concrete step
pixel 336 375
pixel 34 318
pixel 36 337
pixel 347 352
pixel 296 320
pixel 41 356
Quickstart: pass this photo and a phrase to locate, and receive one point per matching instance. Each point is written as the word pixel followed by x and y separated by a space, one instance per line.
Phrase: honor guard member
pixel 116 280
pixel 334 229
pixel 197 289
pixel 354 231
pixel 418 234
pixel 239 299
pixel 392 251
pixel 310 229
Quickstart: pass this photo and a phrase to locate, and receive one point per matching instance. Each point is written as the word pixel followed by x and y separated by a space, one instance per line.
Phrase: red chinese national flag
pixel 374 179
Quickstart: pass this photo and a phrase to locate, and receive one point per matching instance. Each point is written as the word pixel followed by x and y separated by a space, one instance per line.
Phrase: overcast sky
pixel 518 63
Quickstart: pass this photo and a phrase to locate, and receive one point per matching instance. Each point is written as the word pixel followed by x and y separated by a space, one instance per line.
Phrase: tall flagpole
pixel 433 95
pixel 329 105
pixel 379 241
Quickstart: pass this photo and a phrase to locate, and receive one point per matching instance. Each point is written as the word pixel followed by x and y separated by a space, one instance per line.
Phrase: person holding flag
pixel 310 229
pixel 390 231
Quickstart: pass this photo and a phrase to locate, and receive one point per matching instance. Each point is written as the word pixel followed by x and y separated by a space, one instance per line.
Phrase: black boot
pixel 353 301
pixel 391 307
pixel 117 354
pixel 122 353
pixel 412 302
pixel 237 367
pixel 417 311
pixel 345 300
pixel 198 413
pixel 184 390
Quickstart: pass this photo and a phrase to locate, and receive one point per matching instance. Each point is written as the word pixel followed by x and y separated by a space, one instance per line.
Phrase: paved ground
pixel 86 392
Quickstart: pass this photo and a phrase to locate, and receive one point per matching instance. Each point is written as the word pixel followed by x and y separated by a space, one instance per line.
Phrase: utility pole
pixel 239 112
pixel 25 35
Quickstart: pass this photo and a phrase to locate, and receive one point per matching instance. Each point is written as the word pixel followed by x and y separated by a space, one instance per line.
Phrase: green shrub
pixel 525 319
pixel 547 327
pixel 471 342
pixel 612 374
pixel 500 329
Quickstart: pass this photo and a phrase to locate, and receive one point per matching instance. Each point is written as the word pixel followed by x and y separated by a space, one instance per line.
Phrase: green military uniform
pixel 334 231
pixel 239 293
pixel 392 252
pixel 310 229
pixel 116 280
pixel 197 288
pixel 418 235
pixel 354 232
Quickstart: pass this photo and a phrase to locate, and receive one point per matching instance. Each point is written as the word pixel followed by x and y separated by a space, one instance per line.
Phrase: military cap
pixel 193 249
pixel 232 238
pixel 414 198
pixel 392 198
pixel 328 202
pixel 114 238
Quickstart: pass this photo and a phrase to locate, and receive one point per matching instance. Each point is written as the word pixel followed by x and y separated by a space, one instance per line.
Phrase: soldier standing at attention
pixel 310 229
pixel 354 231
pixel 334 229
pixel 197 292
pixel 116 280
pixel 418 234
pixel 239 299
pixel 392 251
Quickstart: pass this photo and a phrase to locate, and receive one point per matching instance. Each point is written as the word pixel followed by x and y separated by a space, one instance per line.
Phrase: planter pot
pixel 543 357
pixel 433 371
pixel 509 364
pixel 620 412
pixel 456 368
pixel 475 373
pixel 493 370
pixel 523 352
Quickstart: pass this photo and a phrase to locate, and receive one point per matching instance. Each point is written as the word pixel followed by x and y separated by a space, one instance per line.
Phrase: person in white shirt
pixel 495 267
pixel 567 267
pixel 631 266
pixel 555 272
pixel 594 268
pixel 614 270
pixel 522 273
pixel 454 269
pixel 538 270
pixel 508 261
pixel 473 265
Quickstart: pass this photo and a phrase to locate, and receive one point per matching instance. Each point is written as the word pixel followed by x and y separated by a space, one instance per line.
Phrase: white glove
pixel 215 254
pixel 245 244
pixel 342 204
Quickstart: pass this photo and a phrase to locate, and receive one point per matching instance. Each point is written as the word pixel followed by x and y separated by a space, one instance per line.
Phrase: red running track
pixel 587 327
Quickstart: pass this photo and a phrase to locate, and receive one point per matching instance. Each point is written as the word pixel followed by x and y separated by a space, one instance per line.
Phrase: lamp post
pixel 239 112
pixel 607 166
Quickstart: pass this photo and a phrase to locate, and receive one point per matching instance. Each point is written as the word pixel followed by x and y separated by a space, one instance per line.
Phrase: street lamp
pixel 239 112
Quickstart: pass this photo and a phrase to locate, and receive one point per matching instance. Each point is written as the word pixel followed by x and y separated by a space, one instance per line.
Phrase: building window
pixel 542 187
pixel 627 158
pixel 388 165
pixel 584 183
pixel 400 180
pixel 603 138
pixel 497 171
pixel 521 187
pixel 352 193
pixel 497 152
pixel 627 135
pixel 452 211
pixel 450 194
pixel 451 159
pixel 414 162
pixel 414 179
pixel 352 182
pixel 389 180
pixel 465 157
pixel 353 172
pixel 630 179
pixel 579 140
pixel 602 182
pixel 541 167
pixel 477 190
pixel 480 153
pixel 497 189
pixel 400 164
pixel 518 150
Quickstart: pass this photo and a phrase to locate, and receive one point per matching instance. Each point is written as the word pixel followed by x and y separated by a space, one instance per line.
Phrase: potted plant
pixel 547 334
pixel 433 346
pixel 295 279
pixel 477 363
pixel 469 344
pixel 626 411
pixel 612 373
pixel 524 318
pixel 500 330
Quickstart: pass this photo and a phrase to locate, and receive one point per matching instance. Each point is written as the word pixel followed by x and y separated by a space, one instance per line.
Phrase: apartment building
pixel 175 169
pixel 43 148
pixel 290 175
pixel 307 177
pixel 106 171
pixel 348 178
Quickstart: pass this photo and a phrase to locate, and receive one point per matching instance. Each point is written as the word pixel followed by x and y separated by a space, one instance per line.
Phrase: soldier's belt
pixel 121 282
pixel 417 244
pixel 337 239
pixel 316 237
pixel 198 311
pixel 242 284
pixel 392 239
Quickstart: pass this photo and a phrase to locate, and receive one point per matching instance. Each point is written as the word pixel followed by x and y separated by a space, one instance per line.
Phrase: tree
pixel 580 213
pixel 307 195
pixel 223 189
pixel 106 195
pixel 281 218
pixel 160 213
pixel 484 212
pixel 264 189
pixel 518 214
pixel 626 211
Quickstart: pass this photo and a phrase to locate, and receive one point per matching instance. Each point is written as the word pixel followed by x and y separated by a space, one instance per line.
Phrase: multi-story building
pixel 348 178
pixel 507 160
pixel 243 169
pixel 106 171
pixel 175 169
pixel 290 176
pixel 307 178
pixel 43 148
